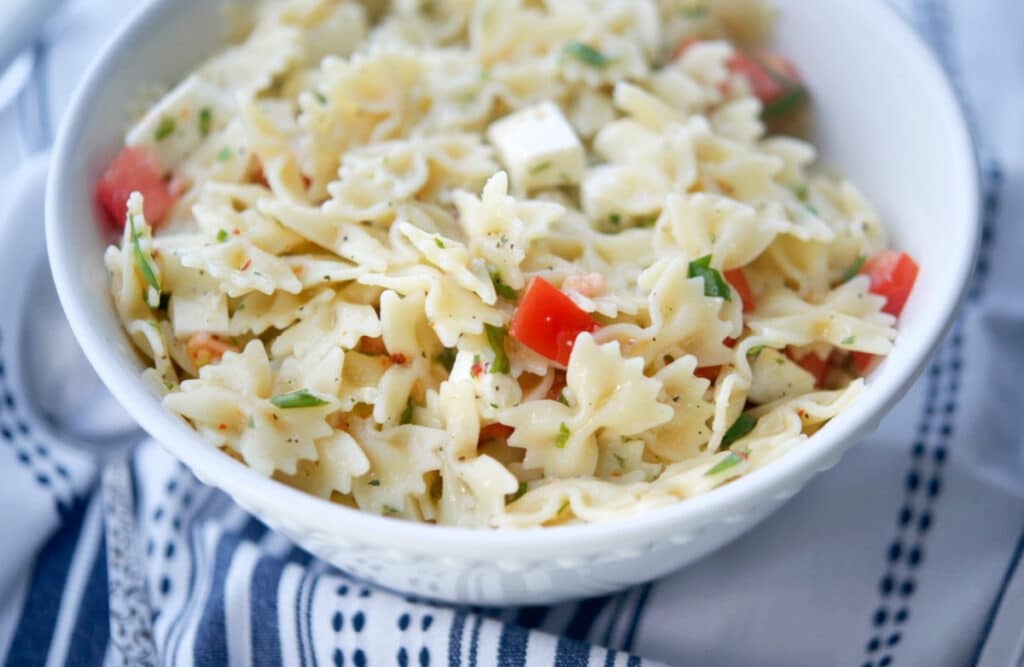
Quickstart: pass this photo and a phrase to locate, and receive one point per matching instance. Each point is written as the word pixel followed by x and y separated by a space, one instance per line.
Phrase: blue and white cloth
pixel 906 554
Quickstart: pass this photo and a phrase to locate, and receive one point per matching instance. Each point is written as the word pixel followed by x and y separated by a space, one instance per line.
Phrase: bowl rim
pixel 819 452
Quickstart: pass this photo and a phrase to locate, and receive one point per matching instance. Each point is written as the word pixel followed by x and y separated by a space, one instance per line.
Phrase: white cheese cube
pixel 539 148
pixel 776 377
pixel 195 311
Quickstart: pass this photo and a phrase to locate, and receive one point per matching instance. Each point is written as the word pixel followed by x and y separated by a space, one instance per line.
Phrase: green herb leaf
pixel 562 399
pixel 800 191
pixel 586 54
pixel 852 272
pixel 536 169
pixel 144 267
pixel 298 399
pixel 391 510
pixel 224 155
pixel 446 358
pixel 503 290
pixel 252 422
pixel 520 492
pixel 407 413
pixel 496 337
pixel 755 352
pixel 374 482
pixel 743 425
pixel 620 459
pixel 320 98
pixel 695 12
pixel 165 129
pixel 205 122
pixel 563 435
pixel 728 462
pixel 564 507
pixel 438 242
pixel 648 222
pixel 615 219
pixel 222 235
pixel 812 210
pixel 787 104
pixel 714 284
pixel 849 340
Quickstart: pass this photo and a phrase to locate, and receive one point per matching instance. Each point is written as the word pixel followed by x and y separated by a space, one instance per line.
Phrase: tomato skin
pixel 496 432
pixel 135 169
pixel 739 283
pixel 863 362
pixel 812 364
pixel 548 322
pixel 892 275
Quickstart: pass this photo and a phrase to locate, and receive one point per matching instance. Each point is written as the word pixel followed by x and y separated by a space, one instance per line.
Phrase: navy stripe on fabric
pixel 308 614
pixel 583 620
pixel 31 641
pixel 613 619
pixel 633 661
pixel 40 78
pixel 253 530
pixel 299 617
pixel 474 642
pixel 211 636
pixel 532 617
pixel 638 613
pixel 266 642
pixel 609 658
pixel 455 639
pixel 571 653
pixel 990 618
pixel 91 634
pixel 512 646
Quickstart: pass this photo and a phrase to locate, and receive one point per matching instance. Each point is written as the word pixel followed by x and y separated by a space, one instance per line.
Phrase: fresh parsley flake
pixel 536 169
pixel 563 435
pixel 222 236
pixel 503 290
pixel 320 98
pixel 252 422
pixel 586 54
pixel 407 413
pixel 144 267
pixel 562 399
pixel 564 507
pixel 438 242
pixel 520 492
pixel 205 121
pixel 391 510
pixel 496 337
pixel 854 269
pixel 298 399
pixel 800 191
pixel 615 219
pixel 754 352
pixel 743 425
pixel 714 284
pixel 620 459
pixel 165 129
pixel 730 461
pixel 849 340
pixel 224 155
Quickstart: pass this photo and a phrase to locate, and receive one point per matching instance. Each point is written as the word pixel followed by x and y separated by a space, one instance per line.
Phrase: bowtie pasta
pixel 500 263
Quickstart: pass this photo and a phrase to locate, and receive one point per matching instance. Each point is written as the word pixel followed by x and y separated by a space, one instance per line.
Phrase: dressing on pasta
pixel 501 263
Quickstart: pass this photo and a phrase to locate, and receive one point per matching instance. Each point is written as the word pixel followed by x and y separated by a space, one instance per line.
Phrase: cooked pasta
pixel 496 263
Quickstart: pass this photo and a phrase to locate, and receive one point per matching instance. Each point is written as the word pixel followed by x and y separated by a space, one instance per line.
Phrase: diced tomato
pixel 773 79
pixel 135 169
pixel 496 432
pixel 892 275
pixel 812 364
pixel 557 386
pixel 371 346
pixel 548 322
pixel 708 372
pixel 739 282
pixel 863 362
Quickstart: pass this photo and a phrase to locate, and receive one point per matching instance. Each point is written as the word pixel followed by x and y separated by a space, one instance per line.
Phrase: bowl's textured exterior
pixel 885 115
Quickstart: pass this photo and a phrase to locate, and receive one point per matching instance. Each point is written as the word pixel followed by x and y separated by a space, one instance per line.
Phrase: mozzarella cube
pixel 539 148
pixel 195 311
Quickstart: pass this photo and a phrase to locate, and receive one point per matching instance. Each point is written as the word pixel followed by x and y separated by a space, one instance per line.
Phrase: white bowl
pixel 886 116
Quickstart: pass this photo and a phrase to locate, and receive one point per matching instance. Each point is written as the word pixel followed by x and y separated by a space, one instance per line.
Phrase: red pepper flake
pixel 800 413
pixel 478 368
pixel 248 263
pixel 236 231
pixel 399 359
pixel 222 427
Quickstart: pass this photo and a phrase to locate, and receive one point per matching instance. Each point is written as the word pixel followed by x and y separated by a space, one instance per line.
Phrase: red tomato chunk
pixel 134 170
pixel 740 284
pixel 892 275
pixel 548 322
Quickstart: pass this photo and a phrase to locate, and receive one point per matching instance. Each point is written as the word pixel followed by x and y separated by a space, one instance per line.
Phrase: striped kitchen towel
pixel 906 554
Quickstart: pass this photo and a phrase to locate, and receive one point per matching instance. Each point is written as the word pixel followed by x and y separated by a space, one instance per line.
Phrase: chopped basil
pixel 496 337
pixel 391 510
pixel 320 98
pixel 755 352
pixel 728 462
pixel 205 122
pixel 540 167
pixel 224 155
pixel 298 399
pixel 743 425
pixel 222 235
pixel 800 191
pixel 615 219
pixel 407 413
pixel 586 54
pixel 165 129
pixel 849 340
pixel 562 399
pixel 446 358
pixel 144 267
pixel 854 269
pixel 520 492
pixel 714 284
pixel 563 435
pixel 503 290
pixel 374 482
pixel 620 459
pixel 438 242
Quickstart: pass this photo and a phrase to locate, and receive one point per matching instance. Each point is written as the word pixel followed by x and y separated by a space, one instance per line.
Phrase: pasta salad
pixel 497 263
